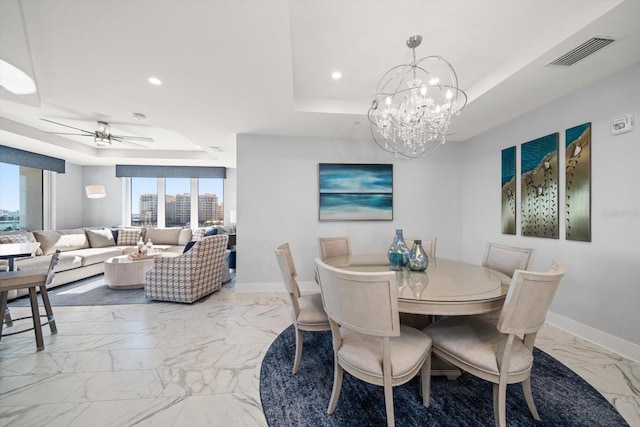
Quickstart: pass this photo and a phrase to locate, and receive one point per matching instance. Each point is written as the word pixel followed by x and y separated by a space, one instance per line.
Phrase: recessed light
pixel 154 81
pixel 336 75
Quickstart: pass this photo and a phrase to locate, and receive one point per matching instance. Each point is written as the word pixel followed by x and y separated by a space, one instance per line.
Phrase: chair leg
pixel 7 316
pixel 528 396
pixel 499 404
pixel 388 404
pixel 35 313
pixel 3 306
pixel 296 361
pixel 425 381
pixel 337 385
pixel 47 307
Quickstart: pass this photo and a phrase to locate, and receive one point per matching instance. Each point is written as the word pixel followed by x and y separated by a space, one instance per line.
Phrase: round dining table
pixel 446 287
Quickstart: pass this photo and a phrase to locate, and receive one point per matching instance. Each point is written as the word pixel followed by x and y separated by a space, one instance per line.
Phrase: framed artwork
pixel 539 185
pixel 578 183
pixel 508 197
pixel 355 192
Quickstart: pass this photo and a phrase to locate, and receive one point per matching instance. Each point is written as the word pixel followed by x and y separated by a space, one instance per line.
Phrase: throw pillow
pixel 211 231
pixel 101 238
pixel 197 234
pixel 48 240
pixel 128 236
pixel 188 246
pixel 114 231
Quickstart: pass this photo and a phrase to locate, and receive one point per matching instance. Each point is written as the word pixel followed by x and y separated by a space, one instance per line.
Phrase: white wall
pixel 69 193
pixel 277 180
pixel 108 210
pixel 602 286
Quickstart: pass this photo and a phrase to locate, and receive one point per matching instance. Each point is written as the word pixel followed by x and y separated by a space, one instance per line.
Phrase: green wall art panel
pixel 539 186
pixel 578 183
pixel 508 197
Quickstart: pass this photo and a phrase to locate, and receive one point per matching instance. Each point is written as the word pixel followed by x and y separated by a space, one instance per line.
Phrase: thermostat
pixel 622 124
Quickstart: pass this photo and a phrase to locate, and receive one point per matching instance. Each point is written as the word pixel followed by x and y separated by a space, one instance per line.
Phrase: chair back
pixel 528 300
pixel 331 247
pixel 50 273
pixel 507 259
pixel 287 269
pixel 207 259
pixel 363 302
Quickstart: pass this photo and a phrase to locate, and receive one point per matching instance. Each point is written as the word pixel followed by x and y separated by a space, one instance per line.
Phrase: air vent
pixel 585 49
pixel 216 148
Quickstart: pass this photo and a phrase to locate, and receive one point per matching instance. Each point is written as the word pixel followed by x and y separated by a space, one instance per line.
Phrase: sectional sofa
pixel 84 250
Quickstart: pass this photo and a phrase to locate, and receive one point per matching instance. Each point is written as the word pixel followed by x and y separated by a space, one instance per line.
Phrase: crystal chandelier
pixel 412 108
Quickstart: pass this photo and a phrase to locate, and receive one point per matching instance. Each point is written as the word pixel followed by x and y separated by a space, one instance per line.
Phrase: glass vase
pixel 418 259
pixel 398 247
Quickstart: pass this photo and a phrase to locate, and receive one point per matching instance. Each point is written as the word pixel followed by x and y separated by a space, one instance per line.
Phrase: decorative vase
pixel 418 259
pixel 397 248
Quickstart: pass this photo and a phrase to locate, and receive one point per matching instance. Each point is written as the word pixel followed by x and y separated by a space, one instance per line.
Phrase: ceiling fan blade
pixel 135 138
pixel 56 123
pixel 66 133
pixel 118 139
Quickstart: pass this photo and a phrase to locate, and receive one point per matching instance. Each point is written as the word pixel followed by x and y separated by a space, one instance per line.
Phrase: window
pixel 21 203
pixel 177 202
pixel 177 207
pixel 210 206
pixel 144 202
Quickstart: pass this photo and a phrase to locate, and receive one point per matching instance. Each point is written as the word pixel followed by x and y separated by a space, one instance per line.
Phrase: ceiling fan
pixel 103 136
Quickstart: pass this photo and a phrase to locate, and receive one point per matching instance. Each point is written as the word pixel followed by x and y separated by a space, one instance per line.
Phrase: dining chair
pixel 429 246
pixel 331 247
pixel 31 279
pixel 505 259
pixel 306 310
pixel 368 340
pixel 503 354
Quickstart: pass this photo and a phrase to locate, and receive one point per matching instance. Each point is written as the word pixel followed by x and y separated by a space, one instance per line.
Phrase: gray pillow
pixel 101 238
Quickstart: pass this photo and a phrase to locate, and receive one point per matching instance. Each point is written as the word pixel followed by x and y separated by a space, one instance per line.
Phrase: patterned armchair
pixel 190 276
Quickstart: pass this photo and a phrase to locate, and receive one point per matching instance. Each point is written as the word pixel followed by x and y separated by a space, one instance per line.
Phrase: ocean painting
pixel 539 185
pixel 578 183
pixel 509 190
pixel 355 192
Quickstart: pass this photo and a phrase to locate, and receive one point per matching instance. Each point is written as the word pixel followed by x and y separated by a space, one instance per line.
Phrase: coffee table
pixel 123 272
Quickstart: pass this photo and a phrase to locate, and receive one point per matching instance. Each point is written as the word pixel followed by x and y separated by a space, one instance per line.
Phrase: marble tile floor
pixel 170 364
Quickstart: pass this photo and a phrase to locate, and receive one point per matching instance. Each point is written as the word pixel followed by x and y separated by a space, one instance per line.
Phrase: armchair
pixel 190 276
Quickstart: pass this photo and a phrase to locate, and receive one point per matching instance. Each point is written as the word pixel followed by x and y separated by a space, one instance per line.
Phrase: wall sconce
pixel 95 191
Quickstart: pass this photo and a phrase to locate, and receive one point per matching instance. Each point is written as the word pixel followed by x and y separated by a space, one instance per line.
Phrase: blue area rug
pixel 561 396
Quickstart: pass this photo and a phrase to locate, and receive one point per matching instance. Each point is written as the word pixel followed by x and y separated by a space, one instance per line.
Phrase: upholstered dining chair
pixel 503 354
pixel 506 260
pixel 307 313
pixel 33 280
pixel 190 276
pixel 429 246
pixel 368 340
pixel 331 247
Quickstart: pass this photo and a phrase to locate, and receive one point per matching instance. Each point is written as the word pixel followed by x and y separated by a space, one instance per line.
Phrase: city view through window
pixel 16 209
pixel 177 203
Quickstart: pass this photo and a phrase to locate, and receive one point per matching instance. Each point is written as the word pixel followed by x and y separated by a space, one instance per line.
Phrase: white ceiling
pixel 264 67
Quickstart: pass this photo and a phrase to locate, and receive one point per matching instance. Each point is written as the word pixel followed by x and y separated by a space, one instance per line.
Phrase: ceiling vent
pixel 215 148
pixel 585 49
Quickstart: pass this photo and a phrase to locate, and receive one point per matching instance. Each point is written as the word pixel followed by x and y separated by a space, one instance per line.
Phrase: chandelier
pixel 413 105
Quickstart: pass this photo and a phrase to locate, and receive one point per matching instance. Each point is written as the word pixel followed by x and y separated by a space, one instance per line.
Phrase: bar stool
pixel 30 279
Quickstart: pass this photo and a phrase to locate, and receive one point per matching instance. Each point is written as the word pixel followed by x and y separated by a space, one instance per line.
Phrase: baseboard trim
pixel 624 348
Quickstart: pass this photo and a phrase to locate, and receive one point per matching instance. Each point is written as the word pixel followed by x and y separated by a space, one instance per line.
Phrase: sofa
pixel 84 250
